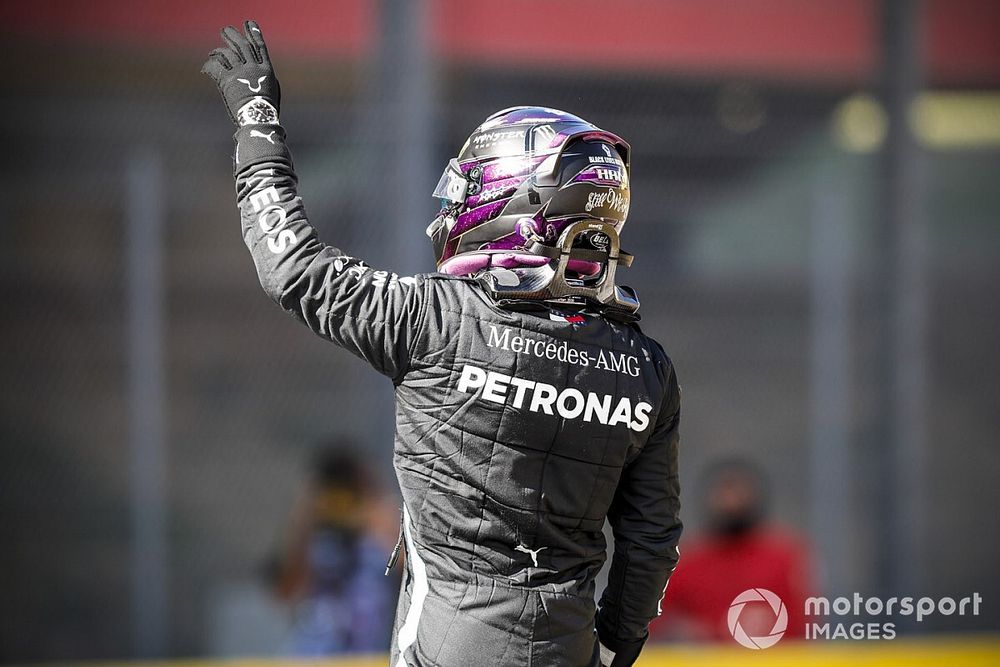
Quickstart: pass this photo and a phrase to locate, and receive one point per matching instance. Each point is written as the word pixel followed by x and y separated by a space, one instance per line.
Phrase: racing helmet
pixel 534 204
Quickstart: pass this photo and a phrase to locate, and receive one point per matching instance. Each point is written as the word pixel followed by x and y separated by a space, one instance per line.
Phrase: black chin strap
pixel 622 315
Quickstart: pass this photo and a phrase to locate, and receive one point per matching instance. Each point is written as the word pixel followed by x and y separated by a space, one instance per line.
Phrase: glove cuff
pixel 259 143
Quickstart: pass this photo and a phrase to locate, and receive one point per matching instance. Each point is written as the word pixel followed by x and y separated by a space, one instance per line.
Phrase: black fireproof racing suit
pixel 517 434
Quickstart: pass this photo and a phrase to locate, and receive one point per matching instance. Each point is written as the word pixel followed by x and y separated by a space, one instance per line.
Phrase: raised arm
pixel 374 314
pixel 645 520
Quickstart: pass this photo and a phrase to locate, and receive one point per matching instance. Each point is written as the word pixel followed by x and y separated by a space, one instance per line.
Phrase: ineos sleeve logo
pixel 271 215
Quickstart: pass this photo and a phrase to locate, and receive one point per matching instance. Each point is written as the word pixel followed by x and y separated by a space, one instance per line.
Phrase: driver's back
pixel 513 429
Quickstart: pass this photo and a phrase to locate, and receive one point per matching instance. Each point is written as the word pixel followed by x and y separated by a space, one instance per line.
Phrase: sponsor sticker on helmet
pixel 610 199
pixel 608 174
pixel 490 139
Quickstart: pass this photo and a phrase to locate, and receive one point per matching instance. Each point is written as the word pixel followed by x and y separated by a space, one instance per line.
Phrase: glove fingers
pixel 256 40
pixel 212 68
pixel 216 64
pixel 237 42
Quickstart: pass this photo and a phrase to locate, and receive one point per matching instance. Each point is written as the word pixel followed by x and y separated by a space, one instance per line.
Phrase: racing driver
pixel 530 408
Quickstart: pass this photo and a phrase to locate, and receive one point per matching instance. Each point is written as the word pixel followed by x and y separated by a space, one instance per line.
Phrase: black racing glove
pixel 619 653
pixel 242 70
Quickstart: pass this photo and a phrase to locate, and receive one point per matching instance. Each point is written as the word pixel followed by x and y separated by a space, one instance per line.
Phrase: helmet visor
pixel 453 186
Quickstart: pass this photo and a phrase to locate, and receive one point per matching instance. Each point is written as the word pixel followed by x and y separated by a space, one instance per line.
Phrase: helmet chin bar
pixel 550 282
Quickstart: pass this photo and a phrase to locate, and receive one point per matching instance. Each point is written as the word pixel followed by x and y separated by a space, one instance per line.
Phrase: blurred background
pixel 185 471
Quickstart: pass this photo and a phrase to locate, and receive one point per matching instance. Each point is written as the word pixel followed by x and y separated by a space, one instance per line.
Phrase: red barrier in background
pixel 781 38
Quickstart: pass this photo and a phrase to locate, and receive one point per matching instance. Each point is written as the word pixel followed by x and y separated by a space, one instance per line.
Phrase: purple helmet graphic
pixel 522 179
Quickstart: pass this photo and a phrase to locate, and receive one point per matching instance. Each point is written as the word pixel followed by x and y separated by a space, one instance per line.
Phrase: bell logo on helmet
pixel 600 241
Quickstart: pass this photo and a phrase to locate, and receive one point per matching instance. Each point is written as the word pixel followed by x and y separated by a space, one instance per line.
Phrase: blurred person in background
pixel 530 407
pixel 332 571
pixel 738 550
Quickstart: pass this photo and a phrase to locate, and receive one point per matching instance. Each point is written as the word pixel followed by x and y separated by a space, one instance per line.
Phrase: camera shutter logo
pixel 780 618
